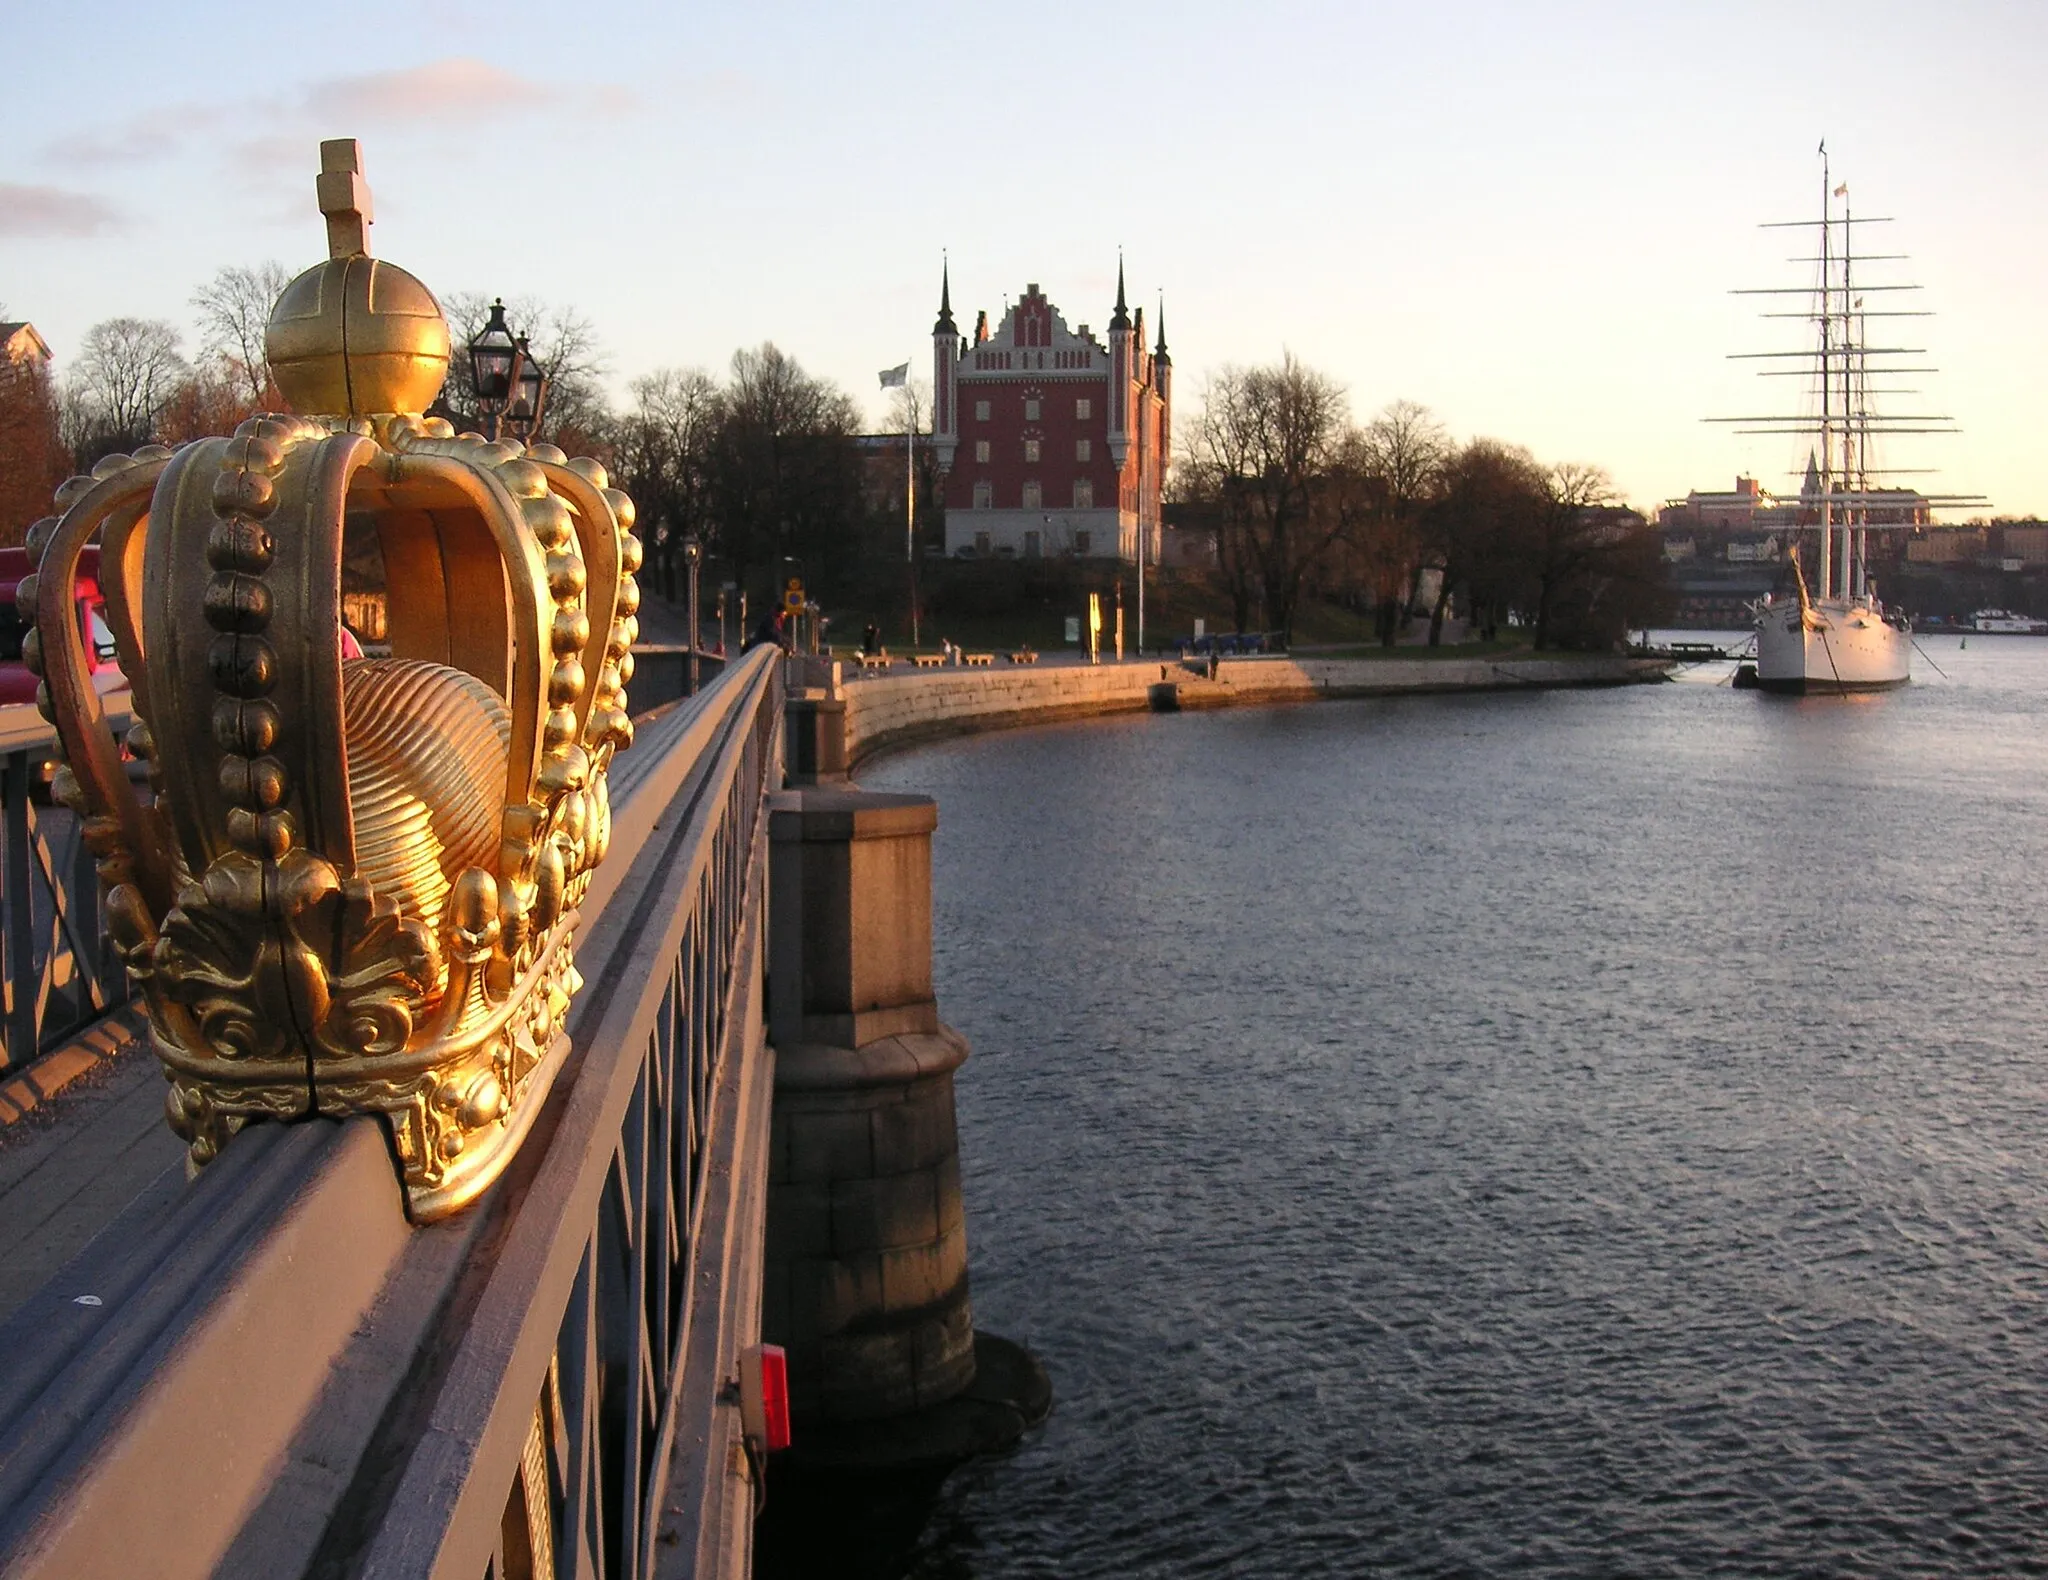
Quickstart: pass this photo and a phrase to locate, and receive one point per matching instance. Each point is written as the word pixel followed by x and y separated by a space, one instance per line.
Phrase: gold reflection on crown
pixel 354 884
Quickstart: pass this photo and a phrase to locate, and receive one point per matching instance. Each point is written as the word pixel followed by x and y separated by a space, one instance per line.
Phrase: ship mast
pixel 1827 404
pixel 1849 484
pixel 1855 430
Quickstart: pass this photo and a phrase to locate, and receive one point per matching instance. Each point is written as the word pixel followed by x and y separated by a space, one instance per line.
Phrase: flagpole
pixel 910 498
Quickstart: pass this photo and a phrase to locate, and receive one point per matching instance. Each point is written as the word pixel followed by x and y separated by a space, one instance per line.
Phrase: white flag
pixel 894 378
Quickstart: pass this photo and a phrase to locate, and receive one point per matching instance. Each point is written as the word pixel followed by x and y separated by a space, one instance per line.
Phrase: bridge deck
pixel 70 1165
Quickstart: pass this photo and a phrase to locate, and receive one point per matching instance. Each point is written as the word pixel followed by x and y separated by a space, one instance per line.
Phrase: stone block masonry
pixel 888 711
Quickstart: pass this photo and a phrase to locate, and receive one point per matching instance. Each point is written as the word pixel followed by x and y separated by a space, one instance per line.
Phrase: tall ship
pixel 1830 632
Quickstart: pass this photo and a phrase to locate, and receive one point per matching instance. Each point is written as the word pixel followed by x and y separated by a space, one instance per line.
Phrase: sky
pixel 1528 216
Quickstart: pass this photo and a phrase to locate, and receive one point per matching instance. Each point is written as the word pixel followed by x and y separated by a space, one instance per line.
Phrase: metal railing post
pixel 18 937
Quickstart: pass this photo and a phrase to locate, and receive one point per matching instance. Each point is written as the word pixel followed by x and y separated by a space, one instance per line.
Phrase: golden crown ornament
pixel 354 887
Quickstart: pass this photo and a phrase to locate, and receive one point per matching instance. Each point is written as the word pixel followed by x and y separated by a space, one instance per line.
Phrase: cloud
pixel 457 89
pixel 52 211
pixel 149 134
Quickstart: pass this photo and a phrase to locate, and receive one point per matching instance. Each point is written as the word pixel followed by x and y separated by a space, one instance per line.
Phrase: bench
pixel 928 660
pixel 977 660
pixel 1022 656
pixel 870 662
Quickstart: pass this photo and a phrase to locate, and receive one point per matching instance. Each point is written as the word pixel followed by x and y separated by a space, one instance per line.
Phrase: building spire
pixel 945 325
pixel 1159 351
pixel 1121 319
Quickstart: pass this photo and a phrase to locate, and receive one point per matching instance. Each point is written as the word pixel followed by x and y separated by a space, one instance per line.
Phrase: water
pixel 1541 1134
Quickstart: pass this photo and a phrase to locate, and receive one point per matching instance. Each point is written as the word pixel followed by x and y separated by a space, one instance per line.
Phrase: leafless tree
pixel 126 373
pixel 234 309
pixel 909 408
pixel 1269 439
pixel 1477 529
pixel 659 450
pixel 1402 452
pixel 785 474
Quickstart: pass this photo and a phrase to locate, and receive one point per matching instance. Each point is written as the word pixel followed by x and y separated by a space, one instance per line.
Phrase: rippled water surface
pixel 1596 1133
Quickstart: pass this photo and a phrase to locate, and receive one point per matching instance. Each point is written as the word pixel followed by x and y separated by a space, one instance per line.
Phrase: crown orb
pixel 357 336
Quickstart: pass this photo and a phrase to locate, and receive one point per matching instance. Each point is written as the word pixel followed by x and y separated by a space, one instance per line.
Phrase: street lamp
pixel 693 556
pixel 495 364
pixel 529 394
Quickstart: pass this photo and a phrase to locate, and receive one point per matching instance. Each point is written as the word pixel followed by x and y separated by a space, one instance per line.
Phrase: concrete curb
pixel 112 1034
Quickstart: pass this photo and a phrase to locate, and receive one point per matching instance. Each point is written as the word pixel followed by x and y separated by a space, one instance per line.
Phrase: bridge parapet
pixel 56 971
pixel 271 1371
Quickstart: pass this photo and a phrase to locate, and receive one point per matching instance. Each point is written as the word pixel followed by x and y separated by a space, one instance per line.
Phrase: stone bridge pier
pixel 866 1281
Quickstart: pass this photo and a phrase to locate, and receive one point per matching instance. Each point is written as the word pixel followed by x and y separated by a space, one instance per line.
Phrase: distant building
pixel 22 348
pixel 33 460
pixel 2025 541
pixel 1947 546
pixel 1736 524
pixel 1050 441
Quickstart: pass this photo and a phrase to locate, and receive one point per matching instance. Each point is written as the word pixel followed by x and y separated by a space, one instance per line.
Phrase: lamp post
pixel 693 556
pixel 495 360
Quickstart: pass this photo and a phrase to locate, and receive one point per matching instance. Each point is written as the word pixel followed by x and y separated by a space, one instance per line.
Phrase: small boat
pixel 2003 622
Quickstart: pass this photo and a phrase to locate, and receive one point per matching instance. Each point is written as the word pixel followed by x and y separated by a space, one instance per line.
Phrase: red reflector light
pixel 764 1396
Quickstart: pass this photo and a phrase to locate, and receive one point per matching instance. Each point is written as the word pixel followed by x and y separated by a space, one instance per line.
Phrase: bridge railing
pixel 275 1374
pixel 55 973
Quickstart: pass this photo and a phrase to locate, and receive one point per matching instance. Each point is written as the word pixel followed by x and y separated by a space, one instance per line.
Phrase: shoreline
pixel 889 713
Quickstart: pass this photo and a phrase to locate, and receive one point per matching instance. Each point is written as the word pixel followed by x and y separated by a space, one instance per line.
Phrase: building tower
pixel 1121 357
pixel 945 363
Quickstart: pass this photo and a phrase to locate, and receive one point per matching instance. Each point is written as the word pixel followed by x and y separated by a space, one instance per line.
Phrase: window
pixel 984 496
pixel 981 450
pixel 1084 409
pixel 1030 449
pixel 1031 411
pixel 1081 543
pixel 1084 494
pixel 1031 545
pixel 981 411
pixel 1083 451
pixel 1033 496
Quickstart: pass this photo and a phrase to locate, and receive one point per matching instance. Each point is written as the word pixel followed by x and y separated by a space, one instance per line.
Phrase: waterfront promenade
pixel 896 709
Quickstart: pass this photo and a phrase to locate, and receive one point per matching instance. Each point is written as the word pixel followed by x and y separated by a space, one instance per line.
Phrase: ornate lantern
pixel 354 887
pixel 530 396
pixel 494 358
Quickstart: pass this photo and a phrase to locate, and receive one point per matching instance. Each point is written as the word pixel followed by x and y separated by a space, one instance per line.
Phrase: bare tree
pixel 1477 529
pixel 126 373
pixel 234 309
pixel 785 474
pixel 909 408
pixel 1269 439
pixel 659 451
pixel 1402 452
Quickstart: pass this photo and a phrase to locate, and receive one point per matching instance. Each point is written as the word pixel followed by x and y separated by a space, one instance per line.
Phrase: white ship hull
pixel 1837 645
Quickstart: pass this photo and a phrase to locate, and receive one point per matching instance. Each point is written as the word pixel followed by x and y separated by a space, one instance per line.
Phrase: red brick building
pixel 1048 440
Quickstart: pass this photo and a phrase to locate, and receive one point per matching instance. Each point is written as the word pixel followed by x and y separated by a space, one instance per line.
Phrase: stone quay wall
pixel 894 710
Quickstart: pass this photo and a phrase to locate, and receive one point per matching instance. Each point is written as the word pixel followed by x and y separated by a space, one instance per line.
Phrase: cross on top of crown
pixel 345 198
